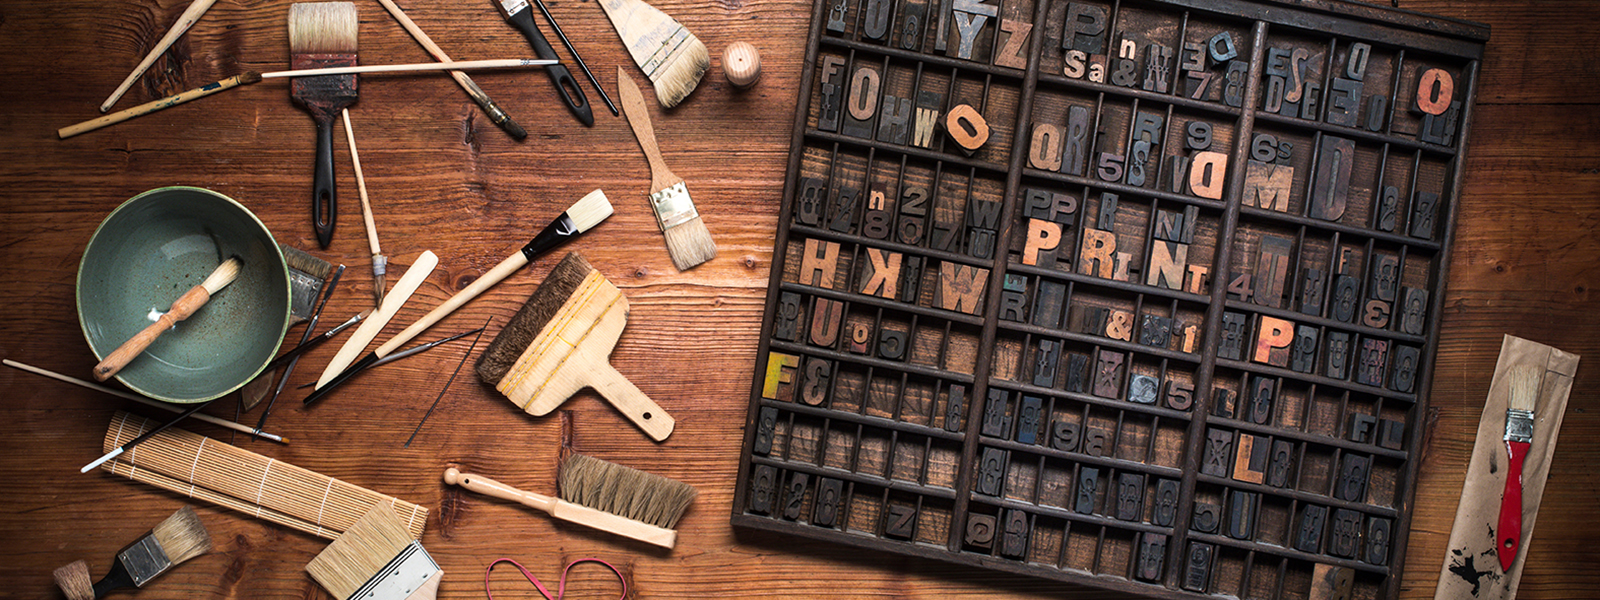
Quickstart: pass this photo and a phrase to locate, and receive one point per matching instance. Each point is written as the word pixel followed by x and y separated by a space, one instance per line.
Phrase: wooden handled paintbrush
pixel 177 539
pixel 377 559
pixel 392 302
pixel 1525 382
pixel 181 309
pixel 669 55
pixel 321 35
pixel 187 19
pixel 688 241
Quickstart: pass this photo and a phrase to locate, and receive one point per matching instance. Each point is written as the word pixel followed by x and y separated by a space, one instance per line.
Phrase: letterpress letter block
pixel 819 264
pixel 1274 336
pixel 891 344
pixel 1155 330
pixel 832 87
pixel 911 24
pixel 1303 358
pixel 1044 149
pixel 1013 42
pixel 991 472
pixel 1108 374
pixel 1414 311
pixel 927 117
pixel 761 489
pixel 1119 325
pixel 1084 28
pixel 1207 174
pixel 842 213
pixel 995 423
pixel 1233 325
pixel 1166 509
pixel 1377 550
pixel 955 407
pixel 1336 159
pixel 1077 372
pixel 1422 211
pixel 1403 377
pixel 1313 521
pixel 1388 208
pixel 1028 420
pixel 809 202
pixel 1374 357
pixel 1391 434
pixel 1282 461
pixel 1064 436
pixel 784 322
pixel 1142 389
pixel 1344 102
pixel 1130 496
pixel 1261 400
pixel 1014 299
pixel 1344 298
pixel 1167 263
pixel 1435 90
pixel 1311 286
pixel 1222 47
pixel 1331 583
pixel 1138 157
pixel 901 521
pixel 1048 303
pixel 1197 568
pixel 780 373
pixel 967 128
pixel 1346 533
pixel 1152 553
pixel 1241 514
pixel 970 17
pixel 1352 483
pixel 1088 488
pixel 1338 355
pixel 1224 403
pixel 1272 270
pixel 860 338
pixel 795 498
pixel 818 374
pixel 980 531
pixel 881 274
pixel 1015 542
pixel 1046 358
pixel 961 287
pixel 764 427
pixel 1180 395
pixel 1207 517
pixel 1250 460
pixel 836 12
pixel 1157 68
pixel 861 102
pixel 1040 245
pixel 895 123
pixel 825 317
pixel 1377 111
pixel 1362 426
pixel 983 217
pixel 1219 453
pixel 1076 148
pixel 1233 83
pixel 1267 185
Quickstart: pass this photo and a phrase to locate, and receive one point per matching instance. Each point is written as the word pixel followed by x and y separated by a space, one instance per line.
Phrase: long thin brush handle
pixel 488 280
pixel 566 511
pixel 146 435
pixel 185 306
pixel 639 119
pixel 136 398
pixel 574 52
pixel 186 20
pixel 378 260
pixel 478 95
pixel 497 63
pixel 408 283
pixel 155 105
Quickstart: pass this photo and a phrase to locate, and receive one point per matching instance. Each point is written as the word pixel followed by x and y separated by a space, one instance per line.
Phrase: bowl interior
pixel 150 251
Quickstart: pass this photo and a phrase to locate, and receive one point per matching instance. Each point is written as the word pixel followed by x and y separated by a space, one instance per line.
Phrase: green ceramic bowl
pixel 150 251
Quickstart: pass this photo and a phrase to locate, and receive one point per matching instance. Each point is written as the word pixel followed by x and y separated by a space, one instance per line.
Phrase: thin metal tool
pixel 327 292
pixel 575 58
pixel 453 375
pixel 409 352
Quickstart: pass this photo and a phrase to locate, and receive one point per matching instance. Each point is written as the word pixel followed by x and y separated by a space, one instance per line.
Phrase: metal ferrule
pixel 144 560
pixel 673 206
pixel 511 7
pixel 402 576
pixel 1519 425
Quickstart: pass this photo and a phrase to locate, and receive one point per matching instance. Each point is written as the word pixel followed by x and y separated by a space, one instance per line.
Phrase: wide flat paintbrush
pixel 177 539
pixel 377 559
pixel 1519 436
pixel 181 309
pixel 670 56
pixel 323 34
pixel 603 495
pixel 688 241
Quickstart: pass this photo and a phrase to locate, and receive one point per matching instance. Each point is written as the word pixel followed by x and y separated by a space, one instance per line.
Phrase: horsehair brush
pixel 561 342
pixel 672 57
pixel 323 34
pixel 603 495
pixel 177 539
pixel 377 559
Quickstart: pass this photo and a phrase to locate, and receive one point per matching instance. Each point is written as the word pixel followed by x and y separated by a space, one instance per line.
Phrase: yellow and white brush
pixel 688 241
pixel 377 559
pixel 670 56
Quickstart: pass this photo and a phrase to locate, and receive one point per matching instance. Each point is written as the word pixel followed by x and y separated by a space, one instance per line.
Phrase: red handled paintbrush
pixel 1519 435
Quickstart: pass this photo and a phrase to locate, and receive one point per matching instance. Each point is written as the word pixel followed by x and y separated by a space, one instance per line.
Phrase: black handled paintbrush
pixel 520 16
pixel 323 34
pixel 177 539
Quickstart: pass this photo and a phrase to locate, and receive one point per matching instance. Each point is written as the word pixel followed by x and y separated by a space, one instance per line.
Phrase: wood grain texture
pixel 1525 262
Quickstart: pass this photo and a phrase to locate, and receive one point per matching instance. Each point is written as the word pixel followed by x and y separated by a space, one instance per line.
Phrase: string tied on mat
pixel 561 588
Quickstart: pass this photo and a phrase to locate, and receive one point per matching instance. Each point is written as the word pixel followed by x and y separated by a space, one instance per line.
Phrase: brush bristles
pixel 681 72
pixel 689 244
pixel 623 491
pixel 1524 387
pixel 514 338
pixel 224 275
pixel 362 551
pixel 182 536
pixel 589 210
pixel 301 261
pixel 322 28
pixel 75 582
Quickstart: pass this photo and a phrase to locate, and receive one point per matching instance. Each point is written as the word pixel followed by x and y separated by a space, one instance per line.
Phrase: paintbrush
pixel 408 352
pixel 322 35
pixel 181 309
pixel 377 559
pixel 520 16
pixel 688 241
pixel 670 56
pixel 582 216
pixel 561 342
pixel 177 539
pixel 1519 436
pixel 308 277
pixel 396 298
pixel 187 19
pixel 498 116
pixel 379 261
pixel 603 495
pixel 140 399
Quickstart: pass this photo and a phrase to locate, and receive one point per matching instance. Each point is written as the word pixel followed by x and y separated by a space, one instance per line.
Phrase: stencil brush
pixel 321 35
pixel 603 495
pixel 177 539
pixel 1525 382
pixel 688 241
pixel 377 559
pixel 181 309
pixel 670 56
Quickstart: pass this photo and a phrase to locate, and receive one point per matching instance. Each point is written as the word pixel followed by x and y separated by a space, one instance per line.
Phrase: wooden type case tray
pixel 1143 295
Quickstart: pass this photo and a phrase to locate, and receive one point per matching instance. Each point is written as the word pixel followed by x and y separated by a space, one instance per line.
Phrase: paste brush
pixel 377 559
pixel 688 241
pixel 603 495
pixel 669 55
pixel 1519 435
pixel 177 539
pixel 323 34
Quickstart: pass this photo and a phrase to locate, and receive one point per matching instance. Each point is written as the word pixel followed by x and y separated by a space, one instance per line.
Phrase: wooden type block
pixel 1403 376
pixel 1303 357
pixel 1207 517
pixel 1208 174
pixel 1044 147
pixel 1157 68
pixel 1352 482
pixel 809 202
pixel 1435 90
pixel 1108 167
pixel 1013 306
pixel 1198 136
pixel 970 17
pixel 1440 129
pixel 980 531
pixel 1155 330
pixel 1263 147
pixel 1362 427
pixel 1277 62
pixel 1313 522
pixel 1239 287
pixel 1029 415
pixel 1046 357
pixel 1130 496
pixel 1138 157
pixel 1108 373
pixel 1337 355
pixel 1166 507
pixel 1013 44
pixel 1267 185
pixel 1168 260
pixel 894 125
pixel 817 375
pixel 1331 583
pixel 1272 270
pixel 929 105
pixel 1077 64
pixel 1261 400
pixel 842 211
pixel 1355 64
pixel 1344 298
pixel 784 322
pixel 1374 359
pixel 765 423
pixel 826 315
pixel 1222 47
pixel 1077 373
pixel 1377 546
pixel 780 375
pixel 961 287
pixel 1177 174
pixel 1197 280
pixel 1312 284
pixel 955 407
pixel 891 344
pixel 1147 127
pixel 1377 110
pixel 881 273
pixel 1075 152
pixel 1152 554
pixel 1310 101
pixel 1193 57
pixel 912 19
pixel 1346 538
pixel 819 264
pixel 1143 389
pixel 1094 441
pixel 1282 461
pixel 1084 29
pixel 1197 567
pixel 1048 303
pixel 967 128
pixel 1384 284
pixel 983 218
pixel 995 421
pixel 1119 325
pixel 991 472
pixel 1388 207
pixel 1168 226
pixel 911 279
pixel 861 102
pixel 1049 206
pixel 1088 488
pixel 1064 436
pixel 1391 434
pixel 794 499
pixel 1180 395
pixel 1218 454
pixel 1272 97
pixel 875 19
pixel 1097 255
pixel 1039 247
pixel 1285 153
pixel 1107 219
pixel 859 340
pixel 1197 84
pixel 1124 72
pixel 1233 83
pixel 1224 402
pixel 832 101
pixel 1274 336
pixel 1241 514
pixel 1423 208
pixel 1297 76
pixel 900 522
pixel 1330 194
pixel 1233 333
pixel 1344 102
pixel 1014 544
pixel 836 12
pixel 1413 311
pixel 830 492
pixel 1250 458
pixel 762 484
pixel 913 215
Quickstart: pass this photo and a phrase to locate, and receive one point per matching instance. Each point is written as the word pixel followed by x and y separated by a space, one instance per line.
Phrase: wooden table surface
pixel 443 178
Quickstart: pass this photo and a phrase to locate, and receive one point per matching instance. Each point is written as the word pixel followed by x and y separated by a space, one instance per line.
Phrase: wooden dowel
pixel 155 105
pixel 187 19
pixel 497 63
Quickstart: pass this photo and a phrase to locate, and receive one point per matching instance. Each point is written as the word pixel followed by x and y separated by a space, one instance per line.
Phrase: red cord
pixel 561 590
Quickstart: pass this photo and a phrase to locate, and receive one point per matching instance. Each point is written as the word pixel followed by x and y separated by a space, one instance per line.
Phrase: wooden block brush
pixel 670 56
pixel 321 35
pixel 377 559
pixel 177 539
pixel 561 342
pixel 603 495
pixel 688 241
pixel 182 308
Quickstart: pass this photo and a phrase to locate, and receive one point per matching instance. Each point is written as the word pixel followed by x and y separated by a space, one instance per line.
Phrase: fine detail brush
pixel 377 559
pixel 556 27
pixel 177 539
pixel 520 16
pixel 603 495
pixel 579 218
pixel 187 19
pixel 379 261
pixel 308 277
pixel 408 283
pixel 140 399
pixel 181 309
pixel 688 241
pixel 496 114
pixel 408 352
pixel 670 56
pixel 1525 382
pixel 447 382
pixel 561 342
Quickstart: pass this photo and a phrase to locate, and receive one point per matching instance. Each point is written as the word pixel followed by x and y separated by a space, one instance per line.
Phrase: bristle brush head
pixel 518 333
pixel 183 536
pixel 681 72
pixel 322 28
pixel 360 552
pixel 302 261
pixel 1524 387
pixel 624 491
pixel 689 243
pixel 75 581
pixel 224 274
pixel 589 210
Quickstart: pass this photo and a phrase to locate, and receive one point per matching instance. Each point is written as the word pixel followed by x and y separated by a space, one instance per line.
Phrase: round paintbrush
pixel 183 308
